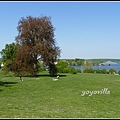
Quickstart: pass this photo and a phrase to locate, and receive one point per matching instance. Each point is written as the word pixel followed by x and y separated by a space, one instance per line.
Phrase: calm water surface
pixel 107 67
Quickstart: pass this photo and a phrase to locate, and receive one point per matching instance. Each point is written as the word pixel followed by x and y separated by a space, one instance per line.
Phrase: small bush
pixel 41 69
pixel 88 71
pixel 78 71
pixel 111 71
pixel 119 72
pixel 60 70
pixel 61 66
pixel 72 70
pixel 103 71
pixel 10 74
pixel 98 71
pixel 65 70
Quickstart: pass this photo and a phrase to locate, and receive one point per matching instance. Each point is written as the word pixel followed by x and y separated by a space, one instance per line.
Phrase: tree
pixel 87 64
pixel 35 40
pixel 61 65
pixel 8 56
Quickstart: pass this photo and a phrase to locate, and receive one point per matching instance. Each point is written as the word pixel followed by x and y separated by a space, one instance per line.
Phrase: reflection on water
pixel 107 67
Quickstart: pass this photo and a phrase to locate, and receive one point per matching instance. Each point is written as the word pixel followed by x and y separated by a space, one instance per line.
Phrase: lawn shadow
pixel 7 84
pixel 1 90
pixel 47 75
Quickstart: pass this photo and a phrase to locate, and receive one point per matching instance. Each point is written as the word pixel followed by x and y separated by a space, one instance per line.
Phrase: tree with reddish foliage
pixel 35 40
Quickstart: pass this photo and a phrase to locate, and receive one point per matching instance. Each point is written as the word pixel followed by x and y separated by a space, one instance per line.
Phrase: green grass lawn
pixel 40 97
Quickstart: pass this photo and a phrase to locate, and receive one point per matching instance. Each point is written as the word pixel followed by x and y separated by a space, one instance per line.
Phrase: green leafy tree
pixel 61 65
pixel 8 56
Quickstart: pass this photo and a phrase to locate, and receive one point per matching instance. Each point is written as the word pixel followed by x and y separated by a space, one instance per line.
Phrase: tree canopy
pixel 8 56
pixel 35 40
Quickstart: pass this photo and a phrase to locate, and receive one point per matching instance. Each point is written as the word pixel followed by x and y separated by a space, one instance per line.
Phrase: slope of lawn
pixel 40 97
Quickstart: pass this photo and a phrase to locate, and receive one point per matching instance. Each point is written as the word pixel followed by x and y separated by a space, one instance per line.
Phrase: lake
pixel 107 67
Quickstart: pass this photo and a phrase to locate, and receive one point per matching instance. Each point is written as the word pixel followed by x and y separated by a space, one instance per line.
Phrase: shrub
pixel 72 70
pixel 10 74
pixel 103 71
pixel 59 69
pixel 41 69
pixel 78 70
pixel 66 70
pixel 119 72
pixel 61 66
pixel 98 71
pixel 111 71
pixel 88 71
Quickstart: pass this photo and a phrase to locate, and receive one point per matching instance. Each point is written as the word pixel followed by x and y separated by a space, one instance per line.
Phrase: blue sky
pixel 85 30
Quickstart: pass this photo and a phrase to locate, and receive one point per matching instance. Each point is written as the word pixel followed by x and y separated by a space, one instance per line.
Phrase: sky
pixel 83 29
